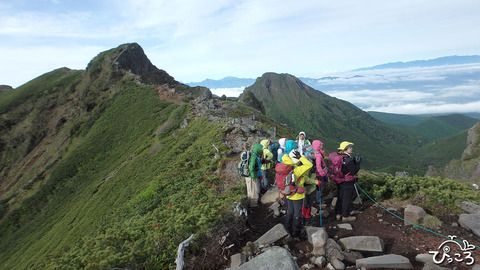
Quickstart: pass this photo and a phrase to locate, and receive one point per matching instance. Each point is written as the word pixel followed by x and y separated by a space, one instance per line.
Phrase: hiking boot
pixel 348 219
pixel 338 216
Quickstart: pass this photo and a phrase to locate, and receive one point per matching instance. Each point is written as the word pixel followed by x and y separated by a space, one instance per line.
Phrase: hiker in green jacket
pixel 253 181
pixel 266 160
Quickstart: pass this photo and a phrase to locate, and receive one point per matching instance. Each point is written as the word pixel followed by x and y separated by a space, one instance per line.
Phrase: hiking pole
pixel 320 206
pixel 358 195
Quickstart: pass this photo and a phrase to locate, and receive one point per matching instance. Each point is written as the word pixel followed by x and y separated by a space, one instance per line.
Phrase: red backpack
pixel 284 177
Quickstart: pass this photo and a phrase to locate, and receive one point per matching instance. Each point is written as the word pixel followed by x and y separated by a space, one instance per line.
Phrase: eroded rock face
pixel 133 59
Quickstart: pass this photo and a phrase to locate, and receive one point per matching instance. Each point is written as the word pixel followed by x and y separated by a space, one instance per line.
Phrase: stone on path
pixel 414 214
pixel 432 266
pixel 270 196
pixel 310 230
pixel 319 239
pixel 424 258
pixel 276 233
pixel 275 207
pixel 470 208
pixel 237 259
pixel 274 258
pixel 363 243
pixel 385 261
pixel 346 226
pixel 470 221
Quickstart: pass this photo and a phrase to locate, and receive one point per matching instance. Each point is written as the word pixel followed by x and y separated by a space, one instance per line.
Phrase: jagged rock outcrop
pixel 5 88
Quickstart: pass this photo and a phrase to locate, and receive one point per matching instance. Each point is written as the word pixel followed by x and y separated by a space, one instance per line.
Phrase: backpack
pixel 243 165
pixel 274 149
pixel 283 177
pixel 334 171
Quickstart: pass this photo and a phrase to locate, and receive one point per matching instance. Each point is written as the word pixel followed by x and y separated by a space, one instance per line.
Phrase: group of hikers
pixel 301 176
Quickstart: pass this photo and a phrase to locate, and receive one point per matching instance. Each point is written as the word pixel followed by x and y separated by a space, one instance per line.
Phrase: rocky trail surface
pixel 377 239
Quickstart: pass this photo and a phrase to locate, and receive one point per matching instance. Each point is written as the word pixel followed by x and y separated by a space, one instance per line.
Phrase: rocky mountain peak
pixel 131 58
pixel 5 88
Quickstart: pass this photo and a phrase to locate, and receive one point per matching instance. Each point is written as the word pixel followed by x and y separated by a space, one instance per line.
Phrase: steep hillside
pixel 289 101
pixel 439 127
pixel 467 168
pixel 400 119
pixel 114 166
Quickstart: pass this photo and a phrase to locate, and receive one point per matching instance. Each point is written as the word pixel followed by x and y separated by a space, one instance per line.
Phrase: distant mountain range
pixel 443 85
pixel 227 82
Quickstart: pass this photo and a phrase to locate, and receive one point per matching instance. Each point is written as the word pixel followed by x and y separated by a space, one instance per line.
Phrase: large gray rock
pixel 470 208
pixel 237 259
pixel 276 233
pixel 319 239
pixel 274 258
pixel 470 221
pixel 310 230
pixel 424 258
pixel 432 266
pixel 270 196
pixel 414 214
pixel 385 261
pixel 333 250
pixel 363 243
pixel 338 264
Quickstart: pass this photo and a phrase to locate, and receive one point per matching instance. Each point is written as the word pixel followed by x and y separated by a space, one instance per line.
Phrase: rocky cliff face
pixel 468 167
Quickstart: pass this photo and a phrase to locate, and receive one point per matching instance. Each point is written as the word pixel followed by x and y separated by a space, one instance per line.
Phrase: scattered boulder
pixel 432 266
pixel 363 243
pixel 333 251
pixel 385 261
pixel 237 259
pixel 338 264
pixel 275 207
pixel 274 234
pixel 424 258
pixel 414 214
pixel 352 256
pixel 274 258
pixel 310 230
pixel 345 226
pixel 270 196
pixel 319 261
pixel 470 208
pixel 334 201
pixel 319 240
pixel 471 222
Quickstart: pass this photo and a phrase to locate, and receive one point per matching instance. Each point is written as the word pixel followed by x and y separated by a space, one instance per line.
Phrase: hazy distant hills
pixel 443 85
pixel 447 60
pixel 227 82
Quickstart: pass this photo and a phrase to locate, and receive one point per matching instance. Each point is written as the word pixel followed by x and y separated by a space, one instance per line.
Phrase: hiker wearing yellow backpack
pixel 266 160
pixel 300 165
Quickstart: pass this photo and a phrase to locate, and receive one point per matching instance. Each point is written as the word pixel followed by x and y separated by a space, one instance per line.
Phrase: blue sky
pixel 197 39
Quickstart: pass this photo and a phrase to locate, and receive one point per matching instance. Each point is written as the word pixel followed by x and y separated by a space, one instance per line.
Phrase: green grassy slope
pixel 120 173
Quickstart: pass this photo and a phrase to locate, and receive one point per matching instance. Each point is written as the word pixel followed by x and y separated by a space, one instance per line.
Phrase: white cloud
pixel 38 60
pixel 229 92
pixel 426 108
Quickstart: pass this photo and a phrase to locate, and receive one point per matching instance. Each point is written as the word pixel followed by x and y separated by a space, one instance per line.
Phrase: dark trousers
pixel 344 198
pixel 293 218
